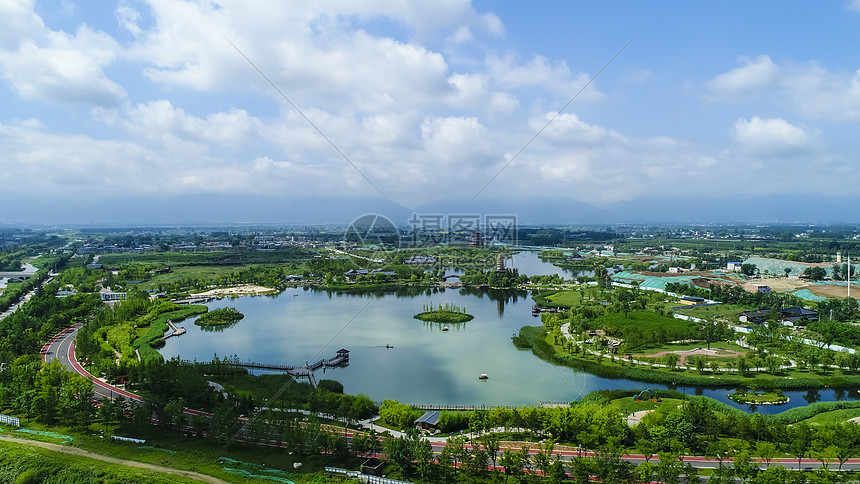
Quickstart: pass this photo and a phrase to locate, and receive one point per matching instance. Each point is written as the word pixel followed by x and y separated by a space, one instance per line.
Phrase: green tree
pixel 800 441
pixel 815 273
pixel 491 443
pixel 672 360
pixel 669 468
pixel 767 451
pixel 749 269
pixel 710 332
pixel 175 412
pixel 512 462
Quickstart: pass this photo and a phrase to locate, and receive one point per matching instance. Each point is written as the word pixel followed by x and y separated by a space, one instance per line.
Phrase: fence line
pixel 365 477
pixel 433 406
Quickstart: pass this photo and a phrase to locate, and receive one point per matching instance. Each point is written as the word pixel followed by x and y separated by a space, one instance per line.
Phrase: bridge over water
pixel 301 371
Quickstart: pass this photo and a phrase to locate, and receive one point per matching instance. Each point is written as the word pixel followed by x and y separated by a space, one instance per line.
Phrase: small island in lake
pixel 773 397
pixel 219 317
pixel 449 313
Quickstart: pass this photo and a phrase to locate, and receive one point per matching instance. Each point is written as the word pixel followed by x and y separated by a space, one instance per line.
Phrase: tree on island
pixel 449 313
pixel 220 316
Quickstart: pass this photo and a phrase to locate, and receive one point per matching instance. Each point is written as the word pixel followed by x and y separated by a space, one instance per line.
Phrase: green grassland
pixel 164 447
pixel 543 345
pixel 640 329
pixel 564 298
pixel 727 312
pixel 185 273
pixel 627 405
pixel 835 416
pixel 691 346
pixel 225 257
pixel 25 463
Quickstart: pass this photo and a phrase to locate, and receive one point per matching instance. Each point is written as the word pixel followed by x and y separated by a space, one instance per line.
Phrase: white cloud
pixel 128 18
pixel 20 23
pixel 455 139
pixel 567 129
pixel 819 94
pixel 494 24
pixel 770 136
pixel 854 5
pixel 160 119
pixel 460 36
pixel 63 68
pixel 429 114
pixel 806 89
pixel 540 72
pixel 755 74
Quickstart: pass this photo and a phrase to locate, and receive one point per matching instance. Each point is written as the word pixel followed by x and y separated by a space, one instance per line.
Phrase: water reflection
pixel 217 328
pixel 444 327
pixel 813 396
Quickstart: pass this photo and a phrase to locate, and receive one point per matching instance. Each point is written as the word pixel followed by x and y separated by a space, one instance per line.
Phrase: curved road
pixel 62 347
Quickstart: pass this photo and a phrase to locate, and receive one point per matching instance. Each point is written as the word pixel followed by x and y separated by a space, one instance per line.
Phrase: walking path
pixel 565 331
pixel 23 300
pixel 130 463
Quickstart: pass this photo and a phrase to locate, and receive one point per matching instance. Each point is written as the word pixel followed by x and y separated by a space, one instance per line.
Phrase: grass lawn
pixel 565 298
pixel 164 448
pixel 728 312
pixel 196 273
pixel 627 406
pixel 691 346
pixel 35 464
pixel 818 377
pixel 639 327
pixel 836 416
pixel 265 386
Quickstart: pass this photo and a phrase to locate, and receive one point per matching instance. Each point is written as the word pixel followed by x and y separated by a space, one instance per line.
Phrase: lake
pixel 426 364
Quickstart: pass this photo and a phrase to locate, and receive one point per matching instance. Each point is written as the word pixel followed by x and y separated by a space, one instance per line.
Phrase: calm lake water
pixel 426 364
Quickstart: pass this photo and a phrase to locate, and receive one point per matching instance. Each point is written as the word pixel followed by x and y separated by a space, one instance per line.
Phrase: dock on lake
pixel 302 371
pixel 175 331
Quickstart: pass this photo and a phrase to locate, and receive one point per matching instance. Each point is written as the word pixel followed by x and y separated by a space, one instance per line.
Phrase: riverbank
pixel 243 290
pixel 611 366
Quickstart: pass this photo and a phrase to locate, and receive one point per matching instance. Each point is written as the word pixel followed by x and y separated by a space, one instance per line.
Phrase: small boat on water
pixel 444 328
pixel 483 377
pixel 389 346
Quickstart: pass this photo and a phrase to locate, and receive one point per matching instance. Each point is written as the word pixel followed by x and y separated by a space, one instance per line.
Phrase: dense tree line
pixel 730 294
pixel 508 278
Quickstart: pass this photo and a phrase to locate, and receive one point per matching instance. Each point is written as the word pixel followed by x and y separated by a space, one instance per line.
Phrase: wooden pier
pixel 175 331
pixel 302 371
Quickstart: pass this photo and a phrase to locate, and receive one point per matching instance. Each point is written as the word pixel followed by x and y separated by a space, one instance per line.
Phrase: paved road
pixel 62 347
pixel 22 301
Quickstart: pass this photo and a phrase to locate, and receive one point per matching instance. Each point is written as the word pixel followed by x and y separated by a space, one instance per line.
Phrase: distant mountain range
pixel 209 209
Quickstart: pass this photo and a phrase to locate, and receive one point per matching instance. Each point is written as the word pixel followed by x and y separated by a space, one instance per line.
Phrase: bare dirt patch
pixel 636 417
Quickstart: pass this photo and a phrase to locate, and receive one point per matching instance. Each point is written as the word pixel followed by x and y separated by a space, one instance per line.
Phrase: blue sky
pixel 147 100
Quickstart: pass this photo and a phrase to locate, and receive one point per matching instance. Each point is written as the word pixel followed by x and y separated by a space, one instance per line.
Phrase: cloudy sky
pixel 146 100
